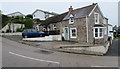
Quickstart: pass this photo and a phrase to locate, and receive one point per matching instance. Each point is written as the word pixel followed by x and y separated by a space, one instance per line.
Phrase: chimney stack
pixel 70 9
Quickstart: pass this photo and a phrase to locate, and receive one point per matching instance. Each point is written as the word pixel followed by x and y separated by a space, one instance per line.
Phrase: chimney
pixel 70 9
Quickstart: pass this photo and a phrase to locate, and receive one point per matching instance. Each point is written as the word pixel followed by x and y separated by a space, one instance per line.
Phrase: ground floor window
pixel 73 33
pixel 98 32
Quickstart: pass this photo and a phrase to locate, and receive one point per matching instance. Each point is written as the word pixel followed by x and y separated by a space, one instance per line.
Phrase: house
pixel 42 15
pixel 12 27
pixel 83 25
pixel 16 14
pixel 110 31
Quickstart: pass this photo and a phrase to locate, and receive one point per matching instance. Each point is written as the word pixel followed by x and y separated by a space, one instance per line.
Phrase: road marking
pixel 33 58
pixel 102 66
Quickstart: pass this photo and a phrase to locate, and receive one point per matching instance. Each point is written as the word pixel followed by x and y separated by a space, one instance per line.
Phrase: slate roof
pixel 52 13
pixel 77 13
pixel 15 13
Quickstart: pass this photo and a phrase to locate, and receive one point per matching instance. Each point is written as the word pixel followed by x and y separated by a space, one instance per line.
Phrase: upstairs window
pixel 34 15
pixel 71 19
pixel 96 16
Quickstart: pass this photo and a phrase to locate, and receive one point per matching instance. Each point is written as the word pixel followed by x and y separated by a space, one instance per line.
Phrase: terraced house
pixel 83 25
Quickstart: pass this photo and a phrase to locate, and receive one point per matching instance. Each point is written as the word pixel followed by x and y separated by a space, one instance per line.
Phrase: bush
pixel 19 30
pixel 2 32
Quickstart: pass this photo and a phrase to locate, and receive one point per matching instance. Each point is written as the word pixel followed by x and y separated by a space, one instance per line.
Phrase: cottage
pixel 83 25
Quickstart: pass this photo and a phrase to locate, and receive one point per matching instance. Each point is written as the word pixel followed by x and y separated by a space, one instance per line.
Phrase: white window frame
pixel 96 18
pixel 71 32
pixel 71 19
pixel 99 37
pixel 54 26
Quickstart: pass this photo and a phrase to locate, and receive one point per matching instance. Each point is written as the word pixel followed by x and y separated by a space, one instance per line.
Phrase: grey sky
pixel 109 9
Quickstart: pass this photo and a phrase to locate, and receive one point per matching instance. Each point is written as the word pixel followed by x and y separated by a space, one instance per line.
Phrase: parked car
pixel 31 33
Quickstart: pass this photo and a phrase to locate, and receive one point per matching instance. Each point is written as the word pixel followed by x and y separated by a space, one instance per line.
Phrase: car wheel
pixel 40 35
pixel 26 36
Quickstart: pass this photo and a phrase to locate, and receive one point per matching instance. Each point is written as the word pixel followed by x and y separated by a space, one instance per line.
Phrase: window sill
pixel 98 37
pixel 73 37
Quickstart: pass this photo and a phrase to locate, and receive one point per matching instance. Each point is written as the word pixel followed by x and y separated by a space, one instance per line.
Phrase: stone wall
pixel 80 24
pixel 91 24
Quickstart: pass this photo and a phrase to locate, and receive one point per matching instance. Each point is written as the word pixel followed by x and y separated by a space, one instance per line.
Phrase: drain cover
pixel 44 52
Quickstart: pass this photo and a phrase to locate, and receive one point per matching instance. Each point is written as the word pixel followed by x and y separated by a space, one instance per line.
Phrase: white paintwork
pixel 13 27
pixel 70 21
pixel 93 10
pixel 98 32
pixel 34 58
pixel 71 32
pixel 96 18
pixel 56 37
pixel 17 33
pixel 42 15
pixel 39 15
pixel 110 34
pixel 46 38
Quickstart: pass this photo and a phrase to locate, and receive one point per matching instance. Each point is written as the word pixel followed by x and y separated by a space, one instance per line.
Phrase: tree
pixel 29 16
pixel 28 22
pixel 5 19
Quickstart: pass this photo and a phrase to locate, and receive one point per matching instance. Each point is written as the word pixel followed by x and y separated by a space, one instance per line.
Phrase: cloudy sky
pixel 109 9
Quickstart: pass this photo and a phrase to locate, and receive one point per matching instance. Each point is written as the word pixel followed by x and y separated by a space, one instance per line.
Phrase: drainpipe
pixel 87 28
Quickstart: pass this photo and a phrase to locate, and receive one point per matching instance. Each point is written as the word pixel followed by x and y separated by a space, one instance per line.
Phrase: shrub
pixel 19 30
pixel 2 32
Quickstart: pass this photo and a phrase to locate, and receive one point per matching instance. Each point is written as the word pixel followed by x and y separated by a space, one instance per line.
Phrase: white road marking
pixel 33 58
pixel 102 66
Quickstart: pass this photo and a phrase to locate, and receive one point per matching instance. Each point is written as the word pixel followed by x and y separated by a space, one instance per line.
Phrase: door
pixel 66 33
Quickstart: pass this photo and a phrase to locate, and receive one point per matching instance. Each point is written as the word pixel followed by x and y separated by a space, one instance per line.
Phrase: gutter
pixel 87 28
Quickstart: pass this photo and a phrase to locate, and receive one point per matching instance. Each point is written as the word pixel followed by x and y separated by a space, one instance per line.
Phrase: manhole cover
pixel 44 52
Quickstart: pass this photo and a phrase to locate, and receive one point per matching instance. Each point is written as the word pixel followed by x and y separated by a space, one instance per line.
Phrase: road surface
pixel 15 54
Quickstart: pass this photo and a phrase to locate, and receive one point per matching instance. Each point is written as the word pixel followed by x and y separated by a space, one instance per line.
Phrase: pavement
pixel 113 49
pixel 15 54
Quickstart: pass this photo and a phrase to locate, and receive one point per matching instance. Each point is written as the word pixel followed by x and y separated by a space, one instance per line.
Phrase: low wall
pixel 46 38
pixel 98 50
pixel 56 37
pixel 16 33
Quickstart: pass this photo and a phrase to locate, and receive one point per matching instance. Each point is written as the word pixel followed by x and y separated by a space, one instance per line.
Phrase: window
pixel 34 15
pixel 71 19
pixel 54 27
pixel 96 16
pixel 73 32
pixel 98 32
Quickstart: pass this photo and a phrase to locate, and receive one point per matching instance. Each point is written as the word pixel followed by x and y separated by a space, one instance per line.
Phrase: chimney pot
pixel 70 9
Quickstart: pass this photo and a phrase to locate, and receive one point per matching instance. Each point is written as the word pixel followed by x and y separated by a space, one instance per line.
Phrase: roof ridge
pixel 85 6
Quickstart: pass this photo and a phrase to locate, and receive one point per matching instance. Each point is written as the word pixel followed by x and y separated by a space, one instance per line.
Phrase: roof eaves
pixel 93 10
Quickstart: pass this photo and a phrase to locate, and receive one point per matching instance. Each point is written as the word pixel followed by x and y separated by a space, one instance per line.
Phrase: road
pixel 15 54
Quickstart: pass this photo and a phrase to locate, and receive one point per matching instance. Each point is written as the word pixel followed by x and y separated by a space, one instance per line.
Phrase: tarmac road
pixel 15 54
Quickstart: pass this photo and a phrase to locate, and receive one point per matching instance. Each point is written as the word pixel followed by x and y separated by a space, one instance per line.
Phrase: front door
pixel 66 33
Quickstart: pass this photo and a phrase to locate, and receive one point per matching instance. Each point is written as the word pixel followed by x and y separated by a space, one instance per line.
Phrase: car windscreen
pixel 30 30
pixel 33 30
